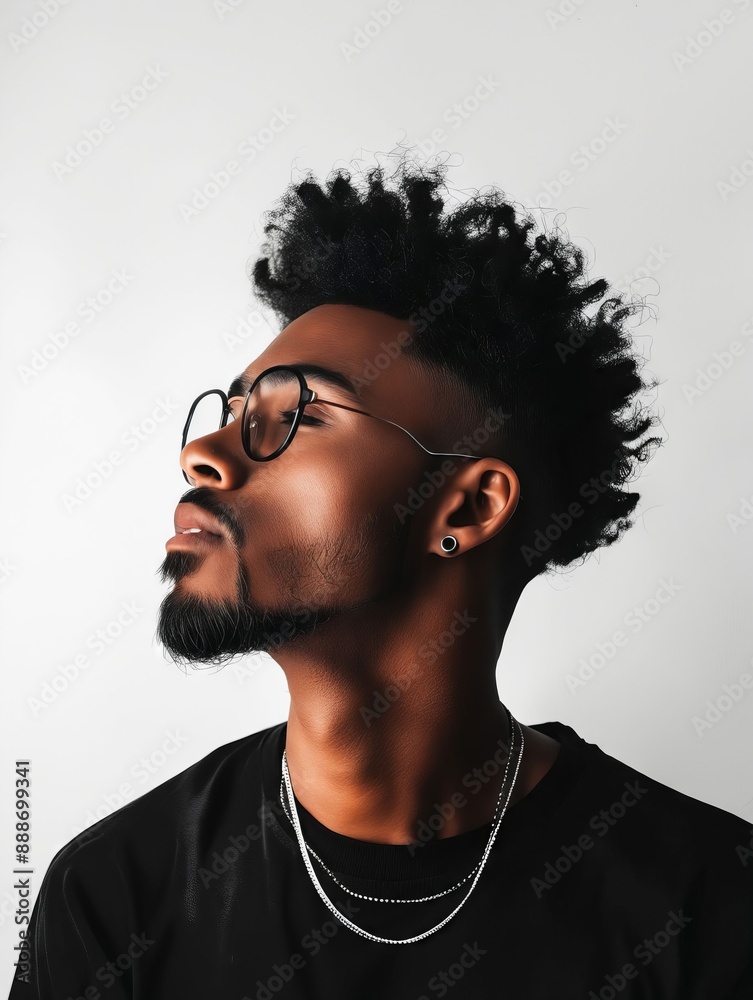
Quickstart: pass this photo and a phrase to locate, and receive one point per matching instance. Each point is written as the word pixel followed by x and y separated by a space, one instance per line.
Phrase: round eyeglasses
pixel 270 414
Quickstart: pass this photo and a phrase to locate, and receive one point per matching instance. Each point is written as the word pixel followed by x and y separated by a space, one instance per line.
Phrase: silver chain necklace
pixel 418 899
pixel 514 726
pixel 378 899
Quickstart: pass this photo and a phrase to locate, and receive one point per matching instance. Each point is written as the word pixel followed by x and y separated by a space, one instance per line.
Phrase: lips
pixel 192 519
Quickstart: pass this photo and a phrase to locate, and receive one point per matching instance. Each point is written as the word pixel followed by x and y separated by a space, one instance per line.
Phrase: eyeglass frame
pixel 307 395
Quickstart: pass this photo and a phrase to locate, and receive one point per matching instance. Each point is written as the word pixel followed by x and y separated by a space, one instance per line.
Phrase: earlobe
pixel 487 494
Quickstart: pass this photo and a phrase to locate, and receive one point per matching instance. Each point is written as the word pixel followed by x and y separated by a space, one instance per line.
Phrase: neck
pixel 383 745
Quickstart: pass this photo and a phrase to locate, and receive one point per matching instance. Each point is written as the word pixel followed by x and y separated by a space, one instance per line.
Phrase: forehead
pixel 368 347
pixel 349 335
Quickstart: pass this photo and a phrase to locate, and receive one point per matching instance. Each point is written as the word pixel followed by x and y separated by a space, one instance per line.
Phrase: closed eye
pixel 287 415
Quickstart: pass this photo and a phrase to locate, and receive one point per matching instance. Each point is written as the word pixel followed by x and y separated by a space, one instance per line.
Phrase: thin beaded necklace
pixel 513 728
pixel 382 899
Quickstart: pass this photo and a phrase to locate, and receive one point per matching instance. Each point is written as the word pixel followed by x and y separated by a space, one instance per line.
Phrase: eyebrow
pixel 241 383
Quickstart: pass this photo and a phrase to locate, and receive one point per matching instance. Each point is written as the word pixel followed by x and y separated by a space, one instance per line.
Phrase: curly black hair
pixel 515 333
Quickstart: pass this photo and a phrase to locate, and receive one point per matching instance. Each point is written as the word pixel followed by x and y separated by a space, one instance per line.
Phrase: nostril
pixel 208 471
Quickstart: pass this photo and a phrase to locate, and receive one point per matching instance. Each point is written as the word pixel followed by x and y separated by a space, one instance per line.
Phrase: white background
pixel 645 194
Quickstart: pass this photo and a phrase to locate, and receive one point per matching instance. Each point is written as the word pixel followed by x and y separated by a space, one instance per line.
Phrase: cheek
pixel 338 485
pixel 311 527
pixel 324 503
pixel 370 483
pixel 298 513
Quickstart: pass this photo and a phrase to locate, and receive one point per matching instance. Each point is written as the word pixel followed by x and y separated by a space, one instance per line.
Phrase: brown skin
pixel 376 781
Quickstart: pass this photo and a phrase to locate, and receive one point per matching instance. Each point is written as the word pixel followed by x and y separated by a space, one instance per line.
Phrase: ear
pixel 479 502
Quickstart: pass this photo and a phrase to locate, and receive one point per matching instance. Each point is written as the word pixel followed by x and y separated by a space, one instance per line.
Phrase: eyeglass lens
pixel 269 414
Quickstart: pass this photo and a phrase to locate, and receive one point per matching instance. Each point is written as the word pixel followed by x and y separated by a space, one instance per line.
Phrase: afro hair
pixel 517 333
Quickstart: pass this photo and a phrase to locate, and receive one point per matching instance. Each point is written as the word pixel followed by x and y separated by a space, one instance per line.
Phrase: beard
pixel 197 629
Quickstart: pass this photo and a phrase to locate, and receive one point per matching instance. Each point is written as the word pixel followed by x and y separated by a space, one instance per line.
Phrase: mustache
pixel 208 500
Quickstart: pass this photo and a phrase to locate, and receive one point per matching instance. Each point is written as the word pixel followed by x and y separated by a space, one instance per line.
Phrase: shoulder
pixel 106 889
pixel 613 798
pixel 148 832
pixel 663 853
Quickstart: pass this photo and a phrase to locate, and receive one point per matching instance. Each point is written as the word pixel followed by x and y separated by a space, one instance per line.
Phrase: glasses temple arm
pixel 454 454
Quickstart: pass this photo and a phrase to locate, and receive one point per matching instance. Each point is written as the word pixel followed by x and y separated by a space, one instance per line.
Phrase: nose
pixel 216 459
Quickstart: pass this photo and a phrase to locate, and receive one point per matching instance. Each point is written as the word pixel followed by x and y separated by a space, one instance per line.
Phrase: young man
pixel 367 504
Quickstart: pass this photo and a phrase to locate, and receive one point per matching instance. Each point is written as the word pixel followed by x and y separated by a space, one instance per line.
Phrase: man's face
pixel 314 533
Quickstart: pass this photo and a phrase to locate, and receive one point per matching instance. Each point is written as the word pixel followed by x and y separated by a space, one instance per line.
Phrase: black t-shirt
pixel 602 883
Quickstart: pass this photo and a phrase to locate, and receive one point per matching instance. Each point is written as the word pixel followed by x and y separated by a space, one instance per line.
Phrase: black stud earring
pixel 449 543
